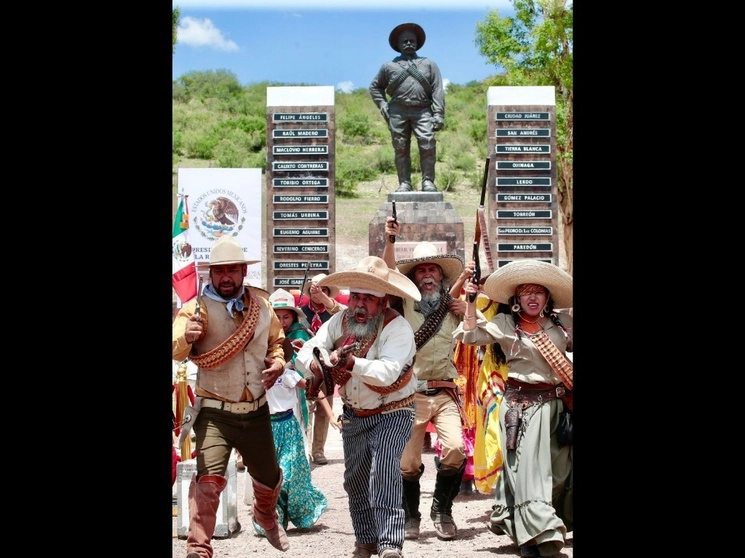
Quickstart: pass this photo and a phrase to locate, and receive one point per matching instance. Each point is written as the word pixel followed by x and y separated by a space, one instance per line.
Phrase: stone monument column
pixel 300 177
pixel 523 207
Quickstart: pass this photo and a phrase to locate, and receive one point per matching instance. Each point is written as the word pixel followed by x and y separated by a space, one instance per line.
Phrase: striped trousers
pixel 372 474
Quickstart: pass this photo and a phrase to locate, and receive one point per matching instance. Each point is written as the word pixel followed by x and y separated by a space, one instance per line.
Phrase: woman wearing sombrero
pixel 534 494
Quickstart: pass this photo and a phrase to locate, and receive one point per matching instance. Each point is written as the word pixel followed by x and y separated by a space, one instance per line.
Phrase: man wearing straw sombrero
pixel 232 334
pixel 534 492
pixel 439 278
pixel 367 350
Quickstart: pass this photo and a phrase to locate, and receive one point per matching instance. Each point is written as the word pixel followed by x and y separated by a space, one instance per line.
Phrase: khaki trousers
pixel 443 413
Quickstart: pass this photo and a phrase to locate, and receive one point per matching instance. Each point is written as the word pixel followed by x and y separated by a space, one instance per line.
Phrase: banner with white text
pixel 224 202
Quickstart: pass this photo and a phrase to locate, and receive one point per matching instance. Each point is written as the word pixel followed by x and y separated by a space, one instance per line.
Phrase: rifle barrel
pixel 392 237
pixel 485 181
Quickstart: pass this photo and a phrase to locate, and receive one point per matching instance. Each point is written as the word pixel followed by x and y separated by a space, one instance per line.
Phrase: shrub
pixel 256 161
pixel 197 145
pixel 350 171
pixel 177 141
pixel 384 159
pixel 446 178
pixel 459 153
pixel 355 125
pixel 478 130
pixel 233 149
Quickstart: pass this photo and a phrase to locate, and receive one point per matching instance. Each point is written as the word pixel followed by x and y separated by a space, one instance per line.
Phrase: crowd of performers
pixel 411 347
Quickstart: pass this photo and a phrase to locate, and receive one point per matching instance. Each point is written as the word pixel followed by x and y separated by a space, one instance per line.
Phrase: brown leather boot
pixel 265 513
pixel 447 485
pixel 411 496
pixel 321 423
pixel 204 499
pixel 364 550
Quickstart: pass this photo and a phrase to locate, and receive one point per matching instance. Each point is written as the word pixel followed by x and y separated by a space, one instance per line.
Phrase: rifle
pixel 198 307
pixel 302 285
pixel 330 374
pixel 476 271
pixel 479 234
pixel 392 237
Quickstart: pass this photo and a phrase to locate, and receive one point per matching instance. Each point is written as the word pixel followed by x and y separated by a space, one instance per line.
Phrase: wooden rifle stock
pixel 198 307
pixel 477 236
pixel 476 271
pixel 302 285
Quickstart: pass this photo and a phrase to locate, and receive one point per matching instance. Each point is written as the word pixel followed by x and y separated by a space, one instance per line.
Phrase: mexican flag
pixel 184 267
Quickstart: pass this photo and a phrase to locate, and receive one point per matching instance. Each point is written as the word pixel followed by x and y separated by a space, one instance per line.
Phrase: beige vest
pixel 434 361
pixel 244 369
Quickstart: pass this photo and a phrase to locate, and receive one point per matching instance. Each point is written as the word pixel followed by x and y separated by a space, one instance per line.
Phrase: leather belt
pixel 533 393
pixel 432 387
pixel 240 408
pixel 405 402
pixel 410 104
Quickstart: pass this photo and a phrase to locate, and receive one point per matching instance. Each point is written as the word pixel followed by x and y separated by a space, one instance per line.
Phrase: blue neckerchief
pixel 233 303
pixel 427 307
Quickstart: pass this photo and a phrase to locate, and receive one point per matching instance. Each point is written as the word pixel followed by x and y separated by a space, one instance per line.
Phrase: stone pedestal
pixel 421 216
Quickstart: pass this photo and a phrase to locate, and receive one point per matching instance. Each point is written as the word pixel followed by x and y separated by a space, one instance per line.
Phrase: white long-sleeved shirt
pixel 393 349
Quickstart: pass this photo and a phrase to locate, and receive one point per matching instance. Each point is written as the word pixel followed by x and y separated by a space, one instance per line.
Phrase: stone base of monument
pixel 421 216
pixel 415 196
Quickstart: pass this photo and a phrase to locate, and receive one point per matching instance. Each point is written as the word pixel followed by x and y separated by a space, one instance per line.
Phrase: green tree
pixel 174 29
pixel 220 86
pixel 536 48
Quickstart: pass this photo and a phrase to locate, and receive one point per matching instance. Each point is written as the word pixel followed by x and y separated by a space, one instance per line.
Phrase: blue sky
pixel 326 42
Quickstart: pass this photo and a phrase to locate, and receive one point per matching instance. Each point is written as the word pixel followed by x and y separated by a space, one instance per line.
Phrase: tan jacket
pixel 526 362
pixel 434 361
pixel 239 379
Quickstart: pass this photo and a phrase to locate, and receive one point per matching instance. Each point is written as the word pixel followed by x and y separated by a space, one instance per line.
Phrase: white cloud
pixel 202 33
pixel 445 83
pixel 345 86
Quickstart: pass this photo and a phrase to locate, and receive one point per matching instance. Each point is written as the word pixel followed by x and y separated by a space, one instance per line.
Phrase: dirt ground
pixel 332 535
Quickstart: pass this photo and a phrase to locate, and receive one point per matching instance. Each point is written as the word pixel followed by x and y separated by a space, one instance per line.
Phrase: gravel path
pixel 332 536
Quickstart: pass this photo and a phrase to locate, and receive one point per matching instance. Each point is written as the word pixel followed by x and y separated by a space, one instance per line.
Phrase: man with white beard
pixel 439 278
pixel 368 350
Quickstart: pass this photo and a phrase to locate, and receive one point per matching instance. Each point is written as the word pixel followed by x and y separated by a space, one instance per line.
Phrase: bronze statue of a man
pixel 415 102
